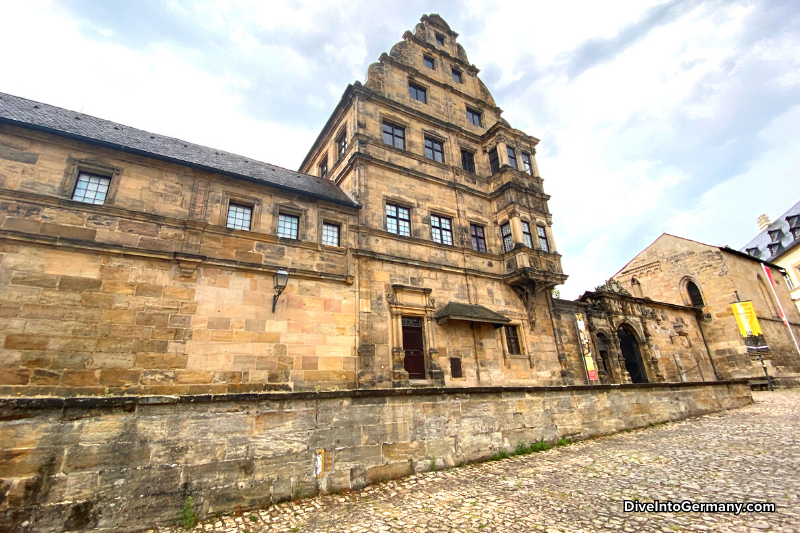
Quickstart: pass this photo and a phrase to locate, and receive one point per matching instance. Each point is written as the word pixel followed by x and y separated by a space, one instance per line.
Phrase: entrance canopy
pixel 469 313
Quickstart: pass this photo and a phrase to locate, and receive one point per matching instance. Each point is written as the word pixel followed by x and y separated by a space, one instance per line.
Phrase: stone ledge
pixel 108 402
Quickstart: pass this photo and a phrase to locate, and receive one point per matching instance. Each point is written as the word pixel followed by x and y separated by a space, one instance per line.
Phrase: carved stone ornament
pixel 391 298
pixel 528 292
pixel 613 286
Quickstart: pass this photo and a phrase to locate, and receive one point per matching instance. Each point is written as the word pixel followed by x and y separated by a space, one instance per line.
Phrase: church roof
pixel 778 238
pixel 55 120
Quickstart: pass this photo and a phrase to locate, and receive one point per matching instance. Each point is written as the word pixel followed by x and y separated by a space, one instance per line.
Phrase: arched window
pixel 694 294
pixel 773 312
pixel 636 288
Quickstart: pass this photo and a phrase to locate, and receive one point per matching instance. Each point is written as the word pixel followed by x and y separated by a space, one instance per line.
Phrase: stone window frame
pixel 333 219
pixel 433 137
pixel 683 287
pixel 91 166
pixel 527 236
pixel 398 123
pixel 452 230
pixel 418 88
pixel 253 202
pixel 432 60
pixel 399 202
pixel 295 211
pixel 521 336
pixel 439 38
pixel 457 74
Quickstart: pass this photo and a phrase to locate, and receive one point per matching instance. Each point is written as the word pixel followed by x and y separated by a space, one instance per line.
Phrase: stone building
pixel 779 242
pixel 416 236
pixel 710 278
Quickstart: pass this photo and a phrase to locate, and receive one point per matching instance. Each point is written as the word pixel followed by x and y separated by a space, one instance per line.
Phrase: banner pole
pixel 768 272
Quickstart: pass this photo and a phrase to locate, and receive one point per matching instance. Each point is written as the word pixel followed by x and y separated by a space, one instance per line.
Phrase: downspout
pixel 705 343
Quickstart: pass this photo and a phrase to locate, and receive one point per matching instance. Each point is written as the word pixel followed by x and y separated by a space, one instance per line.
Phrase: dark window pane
pixel 468 161
pixel 457 75
pixel 473 117
pixel 323 168
pixel 694 294
pixel 428 61
pixel 478 238
pixel 512 340
pixel 455 367
pixel 494 162
pixel 416 92
pixel 512 158
pixel 394 135
pixel 342 144
pixel 526 162
pixel 434 150
pixel 439 39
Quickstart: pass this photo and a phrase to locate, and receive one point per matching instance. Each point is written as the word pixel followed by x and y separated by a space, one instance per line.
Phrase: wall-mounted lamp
pixel 280 279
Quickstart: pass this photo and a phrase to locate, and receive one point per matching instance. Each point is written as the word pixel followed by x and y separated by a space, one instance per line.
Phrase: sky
pixel 676 116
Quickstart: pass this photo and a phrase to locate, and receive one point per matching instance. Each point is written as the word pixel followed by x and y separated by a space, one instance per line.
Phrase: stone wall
pixel 123 463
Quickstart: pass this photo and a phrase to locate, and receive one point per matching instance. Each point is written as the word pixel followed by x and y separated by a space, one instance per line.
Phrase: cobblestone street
pixel 747 455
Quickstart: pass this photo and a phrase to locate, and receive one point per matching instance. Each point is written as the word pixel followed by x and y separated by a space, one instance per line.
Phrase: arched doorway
pixel 630 352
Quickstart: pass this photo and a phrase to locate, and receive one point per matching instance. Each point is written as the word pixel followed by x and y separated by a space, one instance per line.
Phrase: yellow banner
pixel 746 319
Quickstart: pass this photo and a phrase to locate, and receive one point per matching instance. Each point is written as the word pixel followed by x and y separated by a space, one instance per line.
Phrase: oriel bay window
pixel 494 162
pixel 398 220
pixel 526 163
pixel 526 234
pixel 468 161
pixel 512 158
pixel 394 135
pixel 478 237
pixel 433 150
pixel 512 340
pixel 540 231
pixel 508 240
pixel 441 230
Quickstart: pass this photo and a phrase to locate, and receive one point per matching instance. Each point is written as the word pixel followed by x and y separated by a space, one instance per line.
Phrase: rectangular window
pixel 433 150
pixel 287 226
pixel 91 188
pixel 478 237
pixel 330 234
pixel 417 93
pixel 394 135
pixel 473 117
pixel 239 216
pixel 323 168
pixel 397 220
pixel 440 39
pixel 512 158
pixel 512 340
pixel 526 163
pixel 494 162
pixel 341 144
pixel 789 282
pixel 468 161
pixel 542 238
pixel 429 62
pixel 508 240
pixel 457 75
pixel 441 230
pixel 526 234
pixel 455 367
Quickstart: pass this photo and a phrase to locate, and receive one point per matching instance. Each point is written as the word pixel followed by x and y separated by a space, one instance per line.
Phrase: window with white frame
pixel 441 230
pixel 287 226
pixel 91 188
pixel 239 216
pixel 542 234
pixel 512 158
pixel 398 220
pixel 330 234
pixel 526 163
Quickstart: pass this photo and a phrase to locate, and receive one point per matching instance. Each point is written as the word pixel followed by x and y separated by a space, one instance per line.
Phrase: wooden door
pixel 412 346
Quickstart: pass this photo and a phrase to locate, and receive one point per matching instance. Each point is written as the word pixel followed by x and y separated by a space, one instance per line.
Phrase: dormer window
pixel 440 39
pixel 775 235
pixel 773 247
pixel 753 251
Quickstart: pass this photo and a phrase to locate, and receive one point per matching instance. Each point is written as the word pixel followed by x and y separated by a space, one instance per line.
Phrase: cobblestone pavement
pixel 747 455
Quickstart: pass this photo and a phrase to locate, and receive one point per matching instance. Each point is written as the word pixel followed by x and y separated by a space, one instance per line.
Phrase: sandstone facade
pixel 663 271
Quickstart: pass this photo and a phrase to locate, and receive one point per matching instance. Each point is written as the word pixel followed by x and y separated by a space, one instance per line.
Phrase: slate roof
pixel 470 313
pixel 777 239
pixel 55 120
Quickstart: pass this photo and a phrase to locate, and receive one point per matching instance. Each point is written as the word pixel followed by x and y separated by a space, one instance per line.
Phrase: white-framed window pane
pixel 330 234
pixel 508 240
pixel 542 238
pixel 526 234
pixel 287 226
pixel 91 189
pixel 239 216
